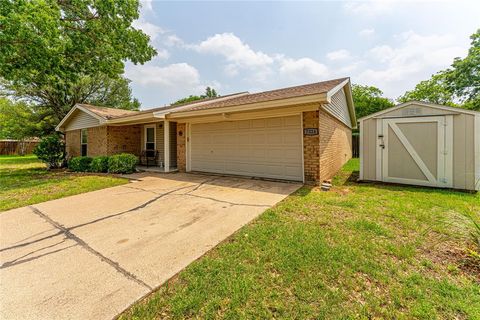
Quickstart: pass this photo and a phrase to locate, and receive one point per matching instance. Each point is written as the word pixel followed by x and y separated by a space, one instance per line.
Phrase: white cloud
pixel 163 53
pixel 146 4
pixel 149 28
pixel 173 40
pixel 341 54
pixel 413 59
pixel 237 53
pixel 367 32
pixel 173 75
pixel 303 69
pixel 369 8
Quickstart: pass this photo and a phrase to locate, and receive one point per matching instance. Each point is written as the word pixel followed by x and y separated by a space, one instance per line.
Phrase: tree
pixel 55 53
pixel 18 121
pixel 434 90
pixel 51 150
pixel 457 86
pixel 463 79
pixel 209 93
pixel 368 100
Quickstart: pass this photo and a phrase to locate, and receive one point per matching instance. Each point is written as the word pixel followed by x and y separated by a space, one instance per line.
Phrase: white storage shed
pixel 422 144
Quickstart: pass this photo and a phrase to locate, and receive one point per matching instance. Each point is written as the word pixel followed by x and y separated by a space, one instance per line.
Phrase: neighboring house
pixel 300 133
pixel 422 144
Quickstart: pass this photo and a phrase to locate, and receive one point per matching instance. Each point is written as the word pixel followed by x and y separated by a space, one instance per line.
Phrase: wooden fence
pixel 356 146
pixel 15 147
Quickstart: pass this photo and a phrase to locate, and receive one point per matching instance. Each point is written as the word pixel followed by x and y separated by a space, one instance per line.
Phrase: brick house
pixel 300 133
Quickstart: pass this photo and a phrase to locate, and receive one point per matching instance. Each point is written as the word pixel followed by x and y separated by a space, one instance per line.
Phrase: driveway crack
pixel 227 202
pixel 84 245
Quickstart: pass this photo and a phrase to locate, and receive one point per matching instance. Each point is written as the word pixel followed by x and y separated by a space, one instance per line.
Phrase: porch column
pixel 166 145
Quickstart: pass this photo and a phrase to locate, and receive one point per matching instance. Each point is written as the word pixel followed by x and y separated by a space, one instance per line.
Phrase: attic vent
pixel 408 112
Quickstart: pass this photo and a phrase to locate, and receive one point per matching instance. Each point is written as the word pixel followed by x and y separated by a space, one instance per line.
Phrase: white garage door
pixel 270 148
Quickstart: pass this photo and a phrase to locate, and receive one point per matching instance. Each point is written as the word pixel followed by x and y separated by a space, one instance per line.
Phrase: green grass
pixel 25 180
pixel 362 250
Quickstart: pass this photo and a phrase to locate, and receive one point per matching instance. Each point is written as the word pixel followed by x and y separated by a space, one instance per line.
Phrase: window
pixel 150 138
pixel 84 142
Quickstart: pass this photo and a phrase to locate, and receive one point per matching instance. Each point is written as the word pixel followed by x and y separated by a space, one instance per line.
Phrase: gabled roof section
pixel 102 114
pixel 420 103
pixel 107 113
pixel 321 92
pixel 291 92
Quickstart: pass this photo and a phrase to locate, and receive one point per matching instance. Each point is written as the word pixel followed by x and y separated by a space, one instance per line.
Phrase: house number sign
pixel 310 131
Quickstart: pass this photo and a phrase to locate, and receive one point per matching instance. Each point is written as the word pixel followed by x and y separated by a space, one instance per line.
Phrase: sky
pixel 257 46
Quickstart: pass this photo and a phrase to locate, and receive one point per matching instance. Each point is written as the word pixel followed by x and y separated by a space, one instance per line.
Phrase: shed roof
pixel 421 103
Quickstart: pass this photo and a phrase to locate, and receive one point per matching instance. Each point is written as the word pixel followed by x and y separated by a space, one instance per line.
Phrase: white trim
pixel 335 89
pixel 154 126
pixel 448 143
pixel 379 150
pixel 348 94
pixel 361 150
pixel 81 142
pixel 303 150
pixel 166 145
pixel 79 107
pixel 423 104
pixel 476 139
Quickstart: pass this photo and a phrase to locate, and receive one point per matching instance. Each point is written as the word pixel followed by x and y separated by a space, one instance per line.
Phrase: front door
pixel 150 137
pixel 418 151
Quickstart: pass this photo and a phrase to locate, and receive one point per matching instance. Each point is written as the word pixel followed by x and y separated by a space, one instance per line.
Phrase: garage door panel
pixel 275 122
pixel 258 123
pixel 270 148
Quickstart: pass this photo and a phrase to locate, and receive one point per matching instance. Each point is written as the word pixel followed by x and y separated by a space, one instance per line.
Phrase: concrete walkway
pixel 92 255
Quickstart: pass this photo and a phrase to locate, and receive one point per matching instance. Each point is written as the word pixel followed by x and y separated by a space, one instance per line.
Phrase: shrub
pixel 99 164
pixel 122 163
pixel 80 164
pixel 51 150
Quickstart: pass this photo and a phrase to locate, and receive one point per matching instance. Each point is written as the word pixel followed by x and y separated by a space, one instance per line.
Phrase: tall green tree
pixel 18 120
pixel 463 78
pixel 434 90
pixel 209 93
pixel 368 100
pixel 55 52
pixel 457 86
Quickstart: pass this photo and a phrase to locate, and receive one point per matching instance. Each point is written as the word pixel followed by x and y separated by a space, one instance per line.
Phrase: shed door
pixel 270 147
pixel 418 151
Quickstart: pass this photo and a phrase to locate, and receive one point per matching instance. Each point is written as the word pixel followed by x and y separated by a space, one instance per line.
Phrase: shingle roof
pixel 236 99
pixel 291 92
pixel 108 113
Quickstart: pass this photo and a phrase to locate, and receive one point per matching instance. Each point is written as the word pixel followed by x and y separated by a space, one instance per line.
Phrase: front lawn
pixel 25 180
pixel 358 251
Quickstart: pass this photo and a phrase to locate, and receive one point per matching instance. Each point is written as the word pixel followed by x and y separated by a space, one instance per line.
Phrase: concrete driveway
pixel 91 255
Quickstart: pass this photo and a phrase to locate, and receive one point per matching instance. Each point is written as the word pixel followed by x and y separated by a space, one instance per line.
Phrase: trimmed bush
pixel 51 150
pixel 122 163
pixel 80 164
pixel 99 164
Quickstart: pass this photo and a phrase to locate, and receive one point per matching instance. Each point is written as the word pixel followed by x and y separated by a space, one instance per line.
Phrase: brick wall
pixel 311 146
pixel 72 141
pixel 124 139
pixel 335 145
pixel 105 141
pixel 181 147
pixel 97 141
